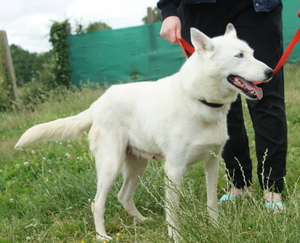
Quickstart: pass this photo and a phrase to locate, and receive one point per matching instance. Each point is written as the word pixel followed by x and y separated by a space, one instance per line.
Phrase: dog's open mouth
pixel 248 88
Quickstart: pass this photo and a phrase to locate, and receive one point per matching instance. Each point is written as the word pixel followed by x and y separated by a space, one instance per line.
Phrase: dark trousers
pixel 263 32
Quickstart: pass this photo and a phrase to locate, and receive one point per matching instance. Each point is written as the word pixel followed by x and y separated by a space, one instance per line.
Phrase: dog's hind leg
pixel 109 150
pixel 104 184
pixel 132 170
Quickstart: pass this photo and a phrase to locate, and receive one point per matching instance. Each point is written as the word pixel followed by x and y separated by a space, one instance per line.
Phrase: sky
pixel 27 22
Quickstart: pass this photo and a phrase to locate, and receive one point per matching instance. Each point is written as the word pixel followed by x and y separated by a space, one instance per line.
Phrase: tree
pixel 79 29
pixel 27 65
pixel 97 26
pixel 23 61
pixel 40 61
pixel 92 27
pixel 153 15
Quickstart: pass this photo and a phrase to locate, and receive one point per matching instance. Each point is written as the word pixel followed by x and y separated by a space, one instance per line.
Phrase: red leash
pixel 185 46
pixel 287 51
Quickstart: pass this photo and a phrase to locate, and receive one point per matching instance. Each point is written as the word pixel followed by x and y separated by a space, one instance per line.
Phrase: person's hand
pixel 171 29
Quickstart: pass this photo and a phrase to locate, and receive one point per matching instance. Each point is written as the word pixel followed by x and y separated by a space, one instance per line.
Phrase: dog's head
pixel 228 63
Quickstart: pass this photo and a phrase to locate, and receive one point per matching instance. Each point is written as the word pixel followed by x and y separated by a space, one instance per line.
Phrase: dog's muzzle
pixel 247 87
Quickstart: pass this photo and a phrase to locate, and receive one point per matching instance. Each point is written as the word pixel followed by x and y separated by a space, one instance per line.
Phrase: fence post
pixel 150 15
pixel 8 62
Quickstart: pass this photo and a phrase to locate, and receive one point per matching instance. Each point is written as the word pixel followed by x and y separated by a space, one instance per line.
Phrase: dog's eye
pixel 240 55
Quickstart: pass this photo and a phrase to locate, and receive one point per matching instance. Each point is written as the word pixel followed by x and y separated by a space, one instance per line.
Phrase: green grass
pixel 45 188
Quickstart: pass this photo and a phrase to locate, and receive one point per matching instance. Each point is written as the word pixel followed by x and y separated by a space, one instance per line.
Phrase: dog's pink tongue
pixel 258 91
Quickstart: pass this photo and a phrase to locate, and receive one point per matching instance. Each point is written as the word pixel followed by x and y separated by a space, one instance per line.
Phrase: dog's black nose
pixel 269 73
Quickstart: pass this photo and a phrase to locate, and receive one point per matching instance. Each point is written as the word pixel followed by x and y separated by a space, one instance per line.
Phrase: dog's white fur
pixel 163 120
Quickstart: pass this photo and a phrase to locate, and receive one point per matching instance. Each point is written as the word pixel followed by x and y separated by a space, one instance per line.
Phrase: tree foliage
pixel 23 63
pixel 97 26
pixel 92 27
pixel 28 65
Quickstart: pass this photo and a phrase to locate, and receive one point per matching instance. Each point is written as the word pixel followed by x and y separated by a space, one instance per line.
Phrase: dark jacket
pixel 169 7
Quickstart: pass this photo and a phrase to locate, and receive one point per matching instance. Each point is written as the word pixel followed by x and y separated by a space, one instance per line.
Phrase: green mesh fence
pixel 122 55
pixel 139 53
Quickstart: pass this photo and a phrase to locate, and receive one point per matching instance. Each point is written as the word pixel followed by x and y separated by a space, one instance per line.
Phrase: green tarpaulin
pixel 122 55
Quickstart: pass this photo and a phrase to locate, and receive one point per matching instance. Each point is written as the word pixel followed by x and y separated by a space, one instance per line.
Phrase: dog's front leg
pixel 173 180
pixel 212 172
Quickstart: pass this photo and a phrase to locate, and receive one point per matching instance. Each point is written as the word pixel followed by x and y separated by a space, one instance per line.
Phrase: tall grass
pixel 45 188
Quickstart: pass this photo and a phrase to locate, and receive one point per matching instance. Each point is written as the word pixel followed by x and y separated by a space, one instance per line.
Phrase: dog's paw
pixel 144 219
pixel 148 219
pixel 103 237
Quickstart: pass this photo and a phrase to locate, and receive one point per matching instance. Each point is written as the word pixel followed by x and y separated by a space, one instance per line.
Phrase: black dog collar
pixel 213 105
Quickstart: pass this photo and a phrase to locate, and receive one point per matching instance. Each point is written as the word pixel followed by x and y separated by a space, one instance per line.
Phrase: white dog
pixel 180 119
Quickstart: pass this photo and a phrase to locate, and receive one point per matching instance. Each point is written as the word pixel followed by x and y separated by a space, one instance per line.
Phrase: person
pixel 259 23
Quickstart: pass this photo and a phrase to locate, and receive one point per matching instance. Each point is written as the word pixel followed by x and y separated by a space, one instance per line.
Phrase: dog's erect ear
pixel 200 41
pixel 230 31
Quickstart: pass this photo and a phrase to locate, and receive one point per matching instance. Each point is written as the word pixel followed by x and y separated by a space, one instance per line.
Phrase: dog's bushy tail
pixel 58 130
